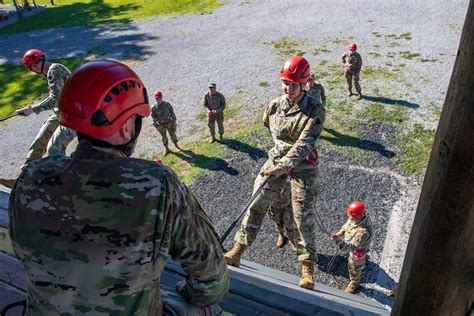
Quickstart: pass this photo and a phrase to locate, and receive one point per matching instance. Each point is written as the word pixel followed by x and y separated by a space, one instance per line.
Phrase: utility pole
pixel 438 272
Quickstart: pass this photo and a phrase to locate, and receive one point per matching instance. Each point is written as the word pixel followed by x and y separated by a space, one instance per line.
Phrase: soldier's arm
pixel 323 95
pixel 205 103
pixel 173 116
pixel 269 109
pixel 194 243
pixel 343 57
pixel 307 140
pixel 222 107
pixel 359 239
pixel 55 85
pixel 360 63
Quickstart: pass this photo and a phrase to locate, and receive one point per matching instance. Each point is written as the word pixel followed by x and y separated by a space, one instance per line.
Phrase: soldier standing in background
pixel 164 120
pixel 352 65
pixel 355 237
pixel 214 102
pixel 316 90
pixel 295 121
pixel 56 74
pixel 99 240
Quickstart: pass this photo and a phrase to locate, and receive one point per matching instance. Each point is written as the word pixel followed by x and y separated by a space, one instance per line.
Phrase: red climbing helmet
pixel 352 46
pixel 158 94
pixel 356 209
pixel 32 57
pixel 100 96
pixel 295 69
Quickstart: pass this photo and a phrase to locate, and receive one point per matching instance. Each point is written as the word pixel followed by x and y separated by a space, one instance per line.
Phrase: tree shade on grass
pixel 69 13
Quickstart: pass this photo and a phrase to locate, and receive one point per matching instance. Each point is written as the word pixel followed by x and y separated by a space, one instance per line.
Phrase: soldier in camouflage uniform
pixel 94 230
pixel 355 237
pixel 56 74
pixel 352 65
pixel 214 102
pixel 164 120
pixel 295 121
pixel 282 214
pixel 316 90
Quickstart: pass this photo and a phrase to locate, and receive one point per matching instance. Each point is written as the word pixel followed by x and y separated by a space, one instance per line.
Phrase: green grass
pixel 264 84
pixel 377 73
pixel 21 87
pixel 375 55
pixel 416 147
pixel 69 13
pixel 384 113
pixel 409 55
pixel 457 28
pixel 285 46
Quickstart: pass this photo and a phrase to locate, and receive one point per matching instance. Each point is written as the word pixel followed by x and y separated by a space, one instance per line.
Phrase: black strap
pixel 12 305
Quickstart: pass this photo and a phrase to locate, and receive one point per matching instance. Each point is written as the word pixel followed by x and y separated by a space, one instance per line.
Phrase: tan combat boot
pixel 233 256
pixel 282 240
pixel 352 287
pixel 9 183
pixel 221 137
pixel 213 139
pixel 177 147
pixel 166 151
pixel 307 271
pixel 292 244
pixel 349 93
pixel 359 96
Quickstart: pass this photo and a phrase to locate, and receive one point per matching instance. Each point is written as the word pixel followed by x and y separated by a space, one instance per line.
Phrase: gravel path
pixel 181 55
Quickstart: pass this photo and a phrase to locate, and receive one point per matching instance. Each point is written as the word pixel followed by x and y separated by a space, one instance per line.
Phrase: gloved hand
pixel 28 110
pixel 275 171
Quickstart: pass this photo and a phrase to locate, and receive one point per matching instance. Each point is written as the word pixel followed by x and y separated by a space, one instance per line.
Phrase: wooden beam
pixel 438 272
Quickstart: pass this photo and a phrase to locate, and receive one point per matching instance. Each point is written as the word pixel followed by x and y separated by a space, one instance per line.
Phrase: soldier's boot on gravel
pixel 235 254
pixel 307 271
pixel 359 95
pixel 221 137
pixel 352 287
pixel 282 240
pixel 349 92
pixel 166 151
pixel 213 139
pixel 177 146
pixel 9 183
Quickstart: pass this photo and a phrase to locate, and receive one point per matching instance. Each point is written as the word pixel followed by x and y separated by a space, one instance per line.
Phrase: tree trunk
pixel 438 272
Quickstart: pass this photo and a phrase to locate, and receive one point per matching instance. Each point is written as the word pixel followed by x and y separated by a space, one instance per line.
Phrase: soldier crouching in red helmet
pixel 295 121
pixel 94 230
pixel 357 236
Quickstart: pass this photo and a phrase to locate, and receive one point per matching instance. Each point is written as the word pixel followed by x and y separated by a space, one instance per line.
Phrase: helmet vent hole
pixel 116 90
pixel 124 85
pixel 99 119
pixel 132 84
pixel 108 98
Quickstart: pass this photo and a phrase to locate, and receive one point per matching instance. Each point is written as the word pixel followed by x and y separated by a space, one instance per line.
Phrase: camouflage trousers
pixel 356 267
pixel 50 139
pixel 304 191
pixel 163 128
pixel 282 214
pixel 219 118
pixel 355 75
pixel 176 305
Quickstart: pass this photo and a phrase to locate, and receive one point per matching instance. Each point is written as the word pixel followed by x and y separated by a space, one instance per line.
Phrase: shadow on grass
pixel 350 141
pixel 389 101
pixel 372 274
pixel 253 152
pixel 119 40
pixel 204 162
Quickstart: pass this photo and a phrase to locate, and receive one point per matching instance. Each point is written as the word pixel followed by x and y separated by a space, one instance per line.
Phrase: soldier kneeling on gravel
pixel 357 236
pixel 164 120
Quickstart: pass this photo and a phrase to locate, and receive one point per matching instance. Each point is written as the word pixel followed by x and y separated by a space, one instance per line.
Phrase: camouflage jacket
pixel 94 232
pixel 317 91
pixel 294 129
pixel 353 59
pixel 214 102
pixel 163 113
pixel 57 76
pixel 357 235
